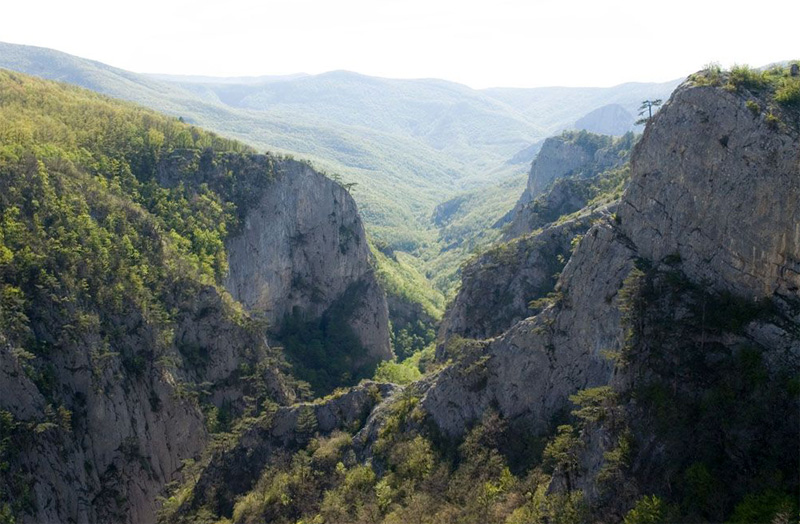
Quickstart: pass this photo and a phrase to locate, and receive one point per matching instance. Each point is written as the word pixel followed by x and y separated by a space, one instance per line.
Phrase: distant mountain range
pixel 408 144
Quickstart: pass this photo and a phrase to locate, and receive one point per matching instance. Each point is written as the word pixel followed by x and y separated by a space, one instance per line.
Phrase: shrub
pixel 787 93
pixel 768 506
pixel 397 372
pixel 648 510
pixel 743 76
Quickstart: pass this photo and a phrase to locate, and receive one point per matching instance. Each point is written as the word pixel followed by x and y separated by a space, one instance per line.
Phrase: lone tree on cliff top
pixel 647 107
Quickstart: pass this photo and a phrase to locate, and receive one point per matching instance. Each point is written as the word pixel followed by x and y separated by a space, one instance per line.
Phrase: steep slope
pixel 512 280
pixel 122 353
pixel 659 385
pixel 672 199
pixel 303 248
pixel 571 155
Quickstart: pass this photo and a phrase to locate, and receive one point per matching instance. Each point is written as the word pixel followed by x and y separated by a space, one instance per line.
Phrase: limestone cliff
pixel 498 286
pixel 717 186
pixel 303 246
pixel 714 190
pixel 529 371
pixel 122 356
pixel 660 363
pixel 577 155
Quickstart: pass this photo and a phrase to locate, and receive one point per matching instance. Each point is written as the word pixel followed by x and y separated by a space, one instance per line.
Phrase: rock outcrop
pixel 132 419
pixel 714 189
pixel 528 372
pixel 560 156
pixel 565 196
pixel 303 246
pixel 232 471
pixel 717 186
pixel 576 155
pixel 498 286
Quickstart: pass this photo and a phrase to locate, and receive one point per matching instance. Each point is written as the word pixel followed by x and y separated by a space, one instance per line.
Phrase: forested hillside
pixel 122 352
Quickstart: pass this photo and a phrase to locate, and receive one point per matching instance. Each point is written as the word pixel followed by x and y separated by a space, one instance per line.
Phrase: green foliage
pixel 415 306
pixel 646 110
pixel 590 142
pixel 767 506
pixel 649 510
pixel 743 76
pixel 787 93
pixel 397 372
pixel 562 453
pixel 775 86
pixel 412 477
pixel 566 508
pixel 754 107
pixel 543 303
pixel 598 404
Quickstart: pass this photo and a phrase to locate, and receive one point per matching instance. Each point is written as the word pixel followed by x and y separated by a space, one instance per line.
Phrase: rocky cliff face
pixel 498 286
pixel 559 157
pixel 713 189
pixel 565 196
pixel 131 422
pixel 529 371
pixel 716 185
pixel 572 155
pixel 304 246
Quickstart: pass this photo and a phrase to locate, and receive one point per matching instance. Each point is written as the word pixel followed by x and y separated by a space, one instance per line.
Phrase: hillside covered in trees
pixel 122 351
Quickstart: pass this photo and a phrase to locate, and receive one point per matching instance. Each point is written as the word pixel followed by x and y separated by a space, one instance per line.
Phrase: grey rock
pixel 497 286
pixel 557 158
pixel 529 372
pixel 133 430
pixel 576 155
pixel 304 246
pixel 564 197
pixel 718 186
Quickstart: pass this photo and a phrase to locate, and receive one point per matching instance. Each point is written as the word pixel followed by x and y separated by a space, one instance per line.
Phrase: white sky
pixel 514 43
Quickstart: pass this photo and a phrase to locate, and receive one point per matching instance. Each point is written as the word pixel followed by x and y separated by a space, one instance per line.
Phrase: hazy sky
pixel 520 43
